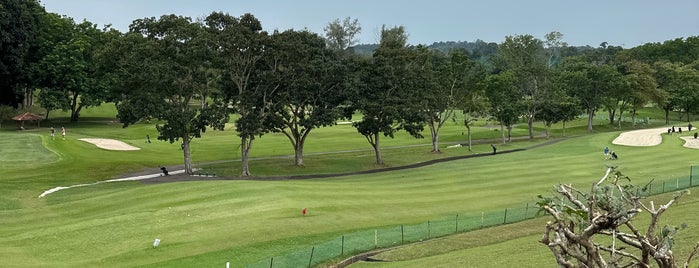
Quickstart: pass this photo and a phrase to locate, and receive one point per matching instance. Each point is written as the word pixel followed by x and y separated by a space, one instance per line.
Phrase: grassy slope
pixel 206 223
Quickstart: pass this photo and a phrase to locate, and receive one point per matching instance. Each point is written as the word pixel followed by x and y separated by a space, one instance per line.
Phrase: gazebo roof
pixel 27 117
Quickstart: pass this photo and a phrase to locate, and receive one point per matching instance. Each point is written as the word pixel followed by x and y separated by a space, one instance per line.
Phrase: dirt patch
pixel 110 144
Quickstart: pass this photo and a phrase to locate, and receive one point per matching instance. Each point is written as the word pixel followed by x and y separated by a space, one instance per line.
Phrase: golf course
pixel 213 220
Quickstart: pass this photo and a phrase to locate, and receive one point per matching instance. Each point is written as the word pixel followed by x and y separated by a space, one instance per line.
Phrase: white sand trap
pixel 110 144
pixel 641 137
pixel 690 142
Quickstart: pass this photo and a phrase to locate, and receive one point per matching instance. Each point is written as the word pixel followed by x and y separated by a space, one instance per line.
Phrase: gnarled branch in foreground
pixel 608 211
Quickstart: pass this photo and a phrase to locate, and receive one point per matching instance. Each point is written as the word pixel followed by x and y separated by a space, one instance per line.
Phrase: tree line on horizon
pixel 192 75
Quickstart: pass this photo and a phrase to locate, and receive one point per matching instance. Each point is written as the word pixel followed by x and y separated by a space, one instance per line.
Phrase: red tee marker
pixel 303 211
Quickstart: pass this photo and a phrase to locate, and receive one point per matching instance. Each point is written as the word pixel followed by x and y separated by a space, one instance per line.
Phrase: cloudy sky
pixel 626 23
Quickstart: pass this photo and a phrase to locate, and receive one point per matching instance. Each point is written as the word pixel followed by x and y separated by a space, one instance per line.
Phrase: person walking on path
pixel 689 127
pixel 53 133
pixel 63 132
pixel 495 149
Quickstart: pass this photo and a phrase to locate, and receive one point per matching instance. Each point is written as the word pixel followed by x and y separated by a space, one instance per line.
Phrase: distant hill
pixel 478 50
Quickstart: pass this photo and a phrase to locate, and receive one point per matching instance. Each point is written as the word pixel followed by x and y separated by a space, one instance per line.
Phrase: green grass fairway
pixel 206 223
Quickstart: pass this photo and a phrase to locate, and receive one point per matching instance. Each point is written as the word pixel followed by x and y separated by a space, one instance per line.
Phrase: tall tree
pixel 311 79
pixel 505 101
pixel 456 86
pixel 386 96
pixel 523 55
pixel 20 24
pixel 342 35
pixel 164 61
pixel 684 88
pixel 71 68
pixel 639 78
pixel 241 47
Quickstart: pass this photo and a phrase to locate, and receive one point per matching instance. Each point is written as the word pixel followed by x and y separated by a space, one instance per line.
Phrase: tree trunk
pixel 74 115
pixel 502 131
pixel 612 112
pixel 564 128
pixel 187 155
pixel 377 149
pixel 590 116
pixel 468 130
pixel 621 112
pixel 530 123
pixel 667 115
pixel 298 153
pixel 434 132
pixel 633 118
pixel 509 133
pixel 245 146
pixel 547 126
pixel 74 108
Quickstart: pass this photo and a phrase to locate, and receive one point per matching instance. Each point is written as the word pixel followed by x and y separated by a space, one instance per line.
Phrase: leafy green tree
pixel 588 83
pixel 342 35
pixel 6 113
pixel 683 86
pixel 71 68
pixel 170 56
pixel 20 24
pixel 599 228
pixel 639 78
pixel 456 87
pixel 505 98
pixel 240 56
pixel 523 55
pixel 386 98
pixel 311 80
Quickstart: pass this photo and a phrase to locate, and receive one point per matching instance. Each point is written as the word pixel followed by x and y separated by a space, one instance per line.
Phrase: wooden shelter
pixel 27 116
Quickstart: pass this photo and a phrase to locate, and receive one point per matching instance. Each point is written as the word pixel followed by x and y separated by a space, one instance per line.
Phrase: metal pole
pixel 456 228
pixel 311 258
pixel 402 237
pixel 505 220
pixel 342 250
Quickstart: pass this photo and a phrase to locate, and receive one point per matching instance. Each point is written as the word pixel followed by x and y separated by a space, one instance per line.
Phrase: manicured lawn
pixel 207 223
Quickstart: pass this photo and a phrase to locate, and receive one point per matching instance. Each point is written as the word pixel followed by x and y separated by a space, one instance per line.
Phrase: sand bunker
pixel 690 142
pixel 110 144
pixel 642 137
pixel 650 137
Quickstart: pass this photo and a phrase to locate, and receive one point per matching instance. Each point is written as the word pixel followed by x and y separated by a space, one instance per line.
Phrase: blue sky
pixel 626 23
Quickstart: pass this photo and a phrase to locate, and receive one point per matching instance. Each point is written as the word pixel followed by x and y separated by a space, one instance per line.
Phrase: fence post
pixel 456 229
pixel 402 237
pixel 663 188
pixel 311 258
pixel 505 220
pixel 482 218
pixel 342 248
pixel 526 211
pixel 691 171
pixel 376 238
